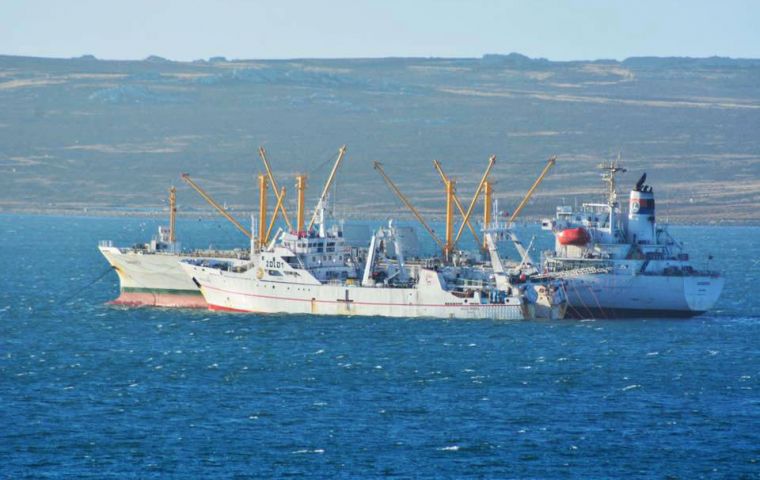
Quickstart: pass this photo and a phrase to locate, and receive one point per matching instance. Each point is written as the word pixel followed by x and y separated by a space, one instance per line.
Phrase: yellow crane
pixel 458 204
pixel 549 164
pixel 275 188
pixel 328 184
pixel 379 167
pixel 186 178
pixel 491 162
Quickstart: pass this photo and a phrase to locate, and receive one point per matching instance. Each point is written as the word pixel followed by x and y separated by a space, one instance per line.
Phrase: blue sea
pixel 93 391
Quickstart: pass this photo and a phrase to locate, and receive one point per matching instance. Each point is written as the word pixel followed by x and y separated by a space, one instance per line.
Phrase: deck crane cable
pixel 329 158
pixel 328 184
pixel 379 167
pixel 319 167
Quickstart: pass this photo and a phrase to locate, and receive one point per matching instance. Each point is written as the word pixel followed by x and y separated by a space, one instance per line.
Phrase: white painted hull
pixel 224 290
pixel 152 279
pixel 149 270
pixel 610 295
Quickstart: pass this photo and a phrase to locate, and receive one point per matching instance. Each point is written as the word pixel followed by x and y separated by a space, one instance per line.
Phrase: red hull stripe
pixel 353 302
pixel 166 300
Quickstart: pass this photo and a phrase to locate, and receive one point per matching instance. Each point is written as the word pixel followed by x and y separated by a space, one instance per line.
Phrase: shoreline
pixel 160 214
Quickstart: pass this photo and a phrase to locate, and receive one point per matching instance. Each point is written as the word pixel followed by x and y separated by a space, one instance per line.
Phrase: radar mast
pixel 608 175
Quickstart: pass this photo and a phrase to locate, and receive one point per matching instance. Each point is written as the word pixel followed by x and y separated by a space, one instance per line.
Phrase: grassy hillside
pixel 114 135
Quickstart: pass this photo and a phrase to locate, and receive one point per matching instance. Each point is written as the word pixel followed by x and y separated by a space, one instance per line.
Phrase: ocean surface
pixel 93 391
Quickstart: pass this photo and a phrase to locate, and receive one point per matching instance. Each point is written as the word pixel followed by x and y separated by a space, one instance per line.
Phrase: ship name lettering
pixel 276 264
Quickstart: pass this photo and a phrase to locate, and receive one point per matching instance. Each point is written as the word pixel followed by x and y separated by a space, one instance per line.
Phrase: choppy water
pixel 90 391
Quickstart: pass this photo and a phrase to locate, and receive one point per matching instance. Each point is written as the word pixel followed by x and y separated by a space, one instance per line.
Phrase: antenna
pixel 608 175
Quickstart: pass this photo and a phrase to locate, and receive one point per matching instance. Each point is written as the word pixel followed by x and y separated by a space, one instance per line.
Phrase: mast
pixel 172 213
pixel 450 187
pixel 262 210
pixel 487 193
pixel 608 175
pixel 301 191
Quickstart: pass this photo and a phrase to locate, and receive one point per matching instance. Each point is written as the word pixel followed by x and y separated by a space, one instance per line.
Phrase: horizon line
pixel 223 58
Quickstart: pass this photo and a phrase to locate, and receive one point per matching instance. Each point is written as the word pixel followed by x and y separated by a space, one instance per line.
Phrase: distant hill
pixel 112 136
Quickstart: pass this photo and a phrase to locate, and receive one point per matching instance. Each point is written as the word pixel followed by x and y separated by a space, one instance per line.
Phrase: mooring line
pixel 77 292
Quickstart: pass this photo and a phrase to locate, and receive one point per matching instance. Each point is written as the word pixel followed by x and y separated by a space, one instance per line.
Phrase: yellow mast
pixel 458 204
pixel 172 212
pixel 328 184
pixel 487 193
pixel 213 203
pixel 549 165
pixel 262 209
pixel 491 162
pixel 447 249
pixel 275 188
pixel 379 167
pixel 301 189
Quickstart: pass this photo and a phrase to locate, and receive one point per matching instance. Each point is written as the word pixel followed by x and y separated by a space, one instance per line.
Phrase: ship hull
pixel 626 296
pixel 227 291
pixel 152 279
pixel 160 298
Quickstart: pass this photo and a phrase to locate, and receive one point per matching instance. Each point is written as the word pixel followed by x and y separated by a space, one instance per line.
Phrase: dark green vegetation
pixel 113 135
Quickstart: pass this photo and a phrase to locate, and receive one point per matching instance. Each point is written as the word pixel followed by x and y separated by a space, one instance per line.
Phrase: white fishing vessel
pixel 312 270
pixel 316 273
pixel 150 274
pixel 617 264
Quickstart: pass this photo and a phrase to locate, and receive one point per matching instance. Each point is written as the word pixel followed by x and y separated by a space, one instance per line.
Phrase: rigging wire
pixel 328 158
pixel 82 289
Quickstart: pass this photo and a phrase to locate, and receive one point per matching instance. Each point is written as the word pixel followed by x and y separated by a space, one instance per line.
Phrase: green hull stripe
pixel 162 291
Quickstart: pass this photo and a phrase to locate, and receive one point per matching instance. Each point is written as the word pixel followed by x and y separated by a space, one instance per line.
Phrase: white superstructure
pixel 618 264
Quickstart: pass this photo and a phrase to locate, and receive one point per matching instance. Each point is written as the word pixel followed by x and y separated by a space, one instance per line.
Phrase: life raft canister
pixel 574 236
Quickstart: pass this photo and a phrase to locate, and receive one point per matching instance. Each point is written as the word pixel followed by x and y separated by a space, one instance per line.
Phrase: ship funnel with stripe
pixel 641 219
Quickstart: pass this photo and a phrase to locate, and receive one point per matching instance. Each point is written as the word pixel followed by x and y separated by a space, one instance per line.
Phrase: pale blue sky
pixel 188 30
